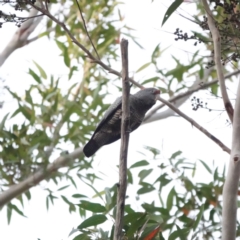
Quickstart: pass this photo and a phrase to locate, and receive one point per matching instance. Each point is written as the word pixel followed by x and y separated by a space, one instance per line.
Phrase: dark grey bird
pixel 109 129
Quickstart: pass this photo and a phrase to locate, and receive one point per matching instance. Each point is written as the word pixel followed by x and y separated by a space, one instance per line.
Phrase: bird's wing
pixel 110 112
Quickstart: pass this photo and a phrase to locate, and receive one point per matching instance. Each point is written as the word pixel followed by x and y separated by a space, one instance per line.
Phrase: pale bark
pixel 21 36
pixel 217 59
pixel 230 190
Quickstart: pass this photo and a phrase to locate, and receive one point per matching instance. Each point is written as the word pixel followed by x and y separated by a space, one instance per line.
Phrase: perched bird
pixel 109 129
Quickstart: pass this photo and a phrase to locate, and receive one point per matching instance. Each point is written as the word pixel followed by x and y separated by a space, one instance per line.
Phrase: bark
pixel 124 143
pixel 21 36
pixel 230 190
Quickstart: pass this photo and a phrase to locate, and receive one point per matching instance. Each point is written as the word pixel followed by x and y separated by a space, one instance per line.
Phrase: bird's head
pixel 148 96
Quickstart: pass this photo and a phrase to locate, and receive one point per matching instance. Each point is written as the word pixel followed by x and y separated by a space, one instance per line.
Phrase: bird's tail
pixel 90 148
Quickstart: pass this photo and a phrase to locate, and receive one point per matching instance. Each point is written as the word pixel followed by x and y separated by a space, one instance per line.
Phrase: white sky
pixel 169 135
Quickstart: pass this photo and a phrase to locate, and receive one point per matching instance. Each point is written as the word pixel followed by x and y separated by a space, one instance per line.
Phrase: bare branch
pixel 195 124
pixel 231 185
pixel 37 177
pixel 124 143
pixel 85 26
pixel 217 59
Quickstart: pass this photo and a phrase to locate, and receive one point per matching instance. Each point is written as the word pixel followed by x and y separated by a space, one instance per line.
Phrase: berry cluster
pixel 197 103
pixel 184 36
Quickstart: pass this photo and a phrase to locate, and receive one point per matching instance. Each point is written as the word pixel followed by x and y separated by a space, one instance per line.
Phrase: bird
pixel 109 128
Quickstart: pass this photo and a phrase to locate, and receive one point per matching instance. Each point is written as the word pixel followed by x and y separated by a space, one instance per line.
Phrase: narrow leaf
pixel 143 67
pixel 170 198
pixel 41 71
pixel 93 207
pixel 206 166
pixel 140 164
pixel 35 76
pixel 93 221
pixel 173 7
pixel 199 216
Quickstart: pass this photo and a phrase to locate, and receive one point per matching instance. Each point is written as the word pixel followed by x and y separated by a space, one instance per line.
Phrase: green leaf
pixel 66 57
pixel 77 195
pixel 153 79
pixel 143 67
pixel 14 207
pixel 140 164
pixel 3 121
pixel 65 200
pixel 28 195
pixel 9 212
pixel 144 173
pixel 62 188
pixel 131 217
pixel 27 112
pixel 206 166
pixel 146 187
pixel 201 72
pixel 93 207
pixel 74 68
pixel 129 177
pixel 138 222
pixel 171 9
pixel 170 198
pixel 35 76
pixel 199 216
pixel 174 155
pixel 153 150
pixel 108 196
pixel 156 53
pixel 214 88
pixel 41 71
pixel 93 221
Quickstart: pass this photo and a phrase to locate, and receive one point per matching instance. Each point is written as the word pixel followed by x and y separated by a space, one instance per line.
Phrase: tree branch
pixel 231 185
pixel 85 26
pixel 20 38
pixel 124 143
pixel 37 177
pixel 217 59
pixel 195 124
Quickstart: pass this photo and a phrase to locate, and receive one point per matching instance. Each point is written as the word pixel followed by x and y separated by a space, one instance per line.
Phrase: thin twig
pixel 85 26
pixel 217 59
pixel 23 18
pixel 124 142
pixel 195 124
